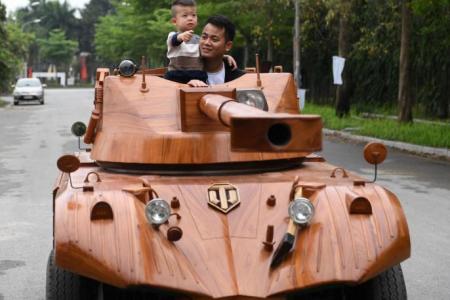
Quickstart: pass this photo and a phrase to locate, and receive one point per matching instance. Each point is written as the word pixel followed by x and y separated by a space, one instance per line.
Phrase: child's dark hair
pixel 225 23
pixel 189 3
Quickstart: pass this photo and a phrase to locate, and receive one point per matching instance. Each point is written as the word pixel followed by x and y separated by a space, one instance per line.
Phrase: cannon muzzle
pixel 253 129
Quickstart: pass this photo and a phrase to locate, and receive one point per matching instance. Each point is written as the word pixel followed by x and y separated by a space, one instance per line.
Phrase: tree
pixel 149 24
pixel 134 30
pixel 268 32
pixel 404 86
pixel 431 64
pixel 57 49
pixel 366 33
pixel 13 49
pixel 342 91
pixel 90 16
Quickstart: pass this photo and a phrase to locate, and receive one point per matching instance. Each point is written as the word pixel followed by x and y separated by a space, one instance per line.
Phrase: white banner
pixel 301 99
pixel 338 67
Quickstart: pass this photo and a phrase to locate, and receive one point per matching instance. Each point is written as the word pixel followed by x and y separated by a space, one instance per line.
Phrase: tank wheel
pixel 389 285
pixel 65 285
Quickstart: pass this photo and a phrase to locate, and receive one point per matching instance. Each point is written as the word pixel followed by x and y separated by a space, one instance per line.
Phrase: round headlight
pixel 157 211
pixel 253 98
pixel 127 68
pixel 301 211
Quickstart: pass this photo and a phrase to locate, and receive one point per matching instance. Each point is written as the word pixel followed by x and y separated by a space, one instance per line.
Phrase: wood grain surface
pixel 156 128
pixel 222 255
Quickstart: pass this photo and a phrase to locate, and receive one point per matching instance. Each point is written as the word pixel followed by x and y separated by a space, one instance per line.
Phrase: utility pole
pixel 296 54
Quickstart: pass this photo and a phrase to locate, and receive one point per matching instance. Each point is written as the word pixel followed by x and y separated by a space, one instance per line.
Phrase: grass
pixel 433 135
pixel 418 110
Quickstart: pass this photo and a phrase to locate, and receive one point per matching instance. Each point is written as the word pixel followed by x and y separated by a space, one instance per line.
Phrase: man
pixel 216 40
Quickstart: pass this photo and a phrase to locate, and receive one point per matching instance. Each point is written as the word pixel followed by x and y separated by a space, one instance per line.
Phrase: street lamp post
pixel 35 21
pixel 31 7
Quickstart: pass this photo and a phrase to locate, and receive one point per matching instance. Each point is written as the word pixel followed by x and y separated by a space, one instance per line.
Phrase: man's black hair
pixel 188 3
pixel 225 23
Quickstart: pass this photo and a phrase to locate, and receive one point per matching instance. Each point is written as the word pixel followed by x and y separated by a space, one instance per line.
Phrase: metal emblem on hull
pixel 223 197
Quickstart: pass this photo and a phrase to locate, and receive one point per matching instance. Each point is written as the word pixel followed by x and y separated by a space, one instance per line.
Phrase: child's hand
pixel 197 83
pixel 185 36
pixel 231 62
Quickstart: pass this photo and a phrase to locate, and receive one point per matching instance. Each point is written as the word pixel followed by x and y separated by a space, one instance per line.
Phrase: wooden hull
pixel 222 256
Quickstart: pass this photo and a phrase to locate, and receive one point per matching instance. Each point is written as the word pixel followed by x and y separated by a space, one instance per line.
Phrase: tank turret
pixel 171 123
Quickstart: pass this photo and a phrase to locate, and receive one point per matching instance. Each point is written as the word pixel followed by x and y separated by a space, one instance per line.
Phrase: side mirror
pixel 44 85
pixel 78 129
pixel 68 163
pixel 13 85
pixel 375 154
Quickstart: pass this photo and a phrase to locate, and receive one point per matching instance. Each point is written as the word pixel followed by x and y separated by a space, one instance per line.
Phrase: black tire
pixel 113 293
pixel 65 285
pixel 41 101
pixel 389 285
pixel 16 102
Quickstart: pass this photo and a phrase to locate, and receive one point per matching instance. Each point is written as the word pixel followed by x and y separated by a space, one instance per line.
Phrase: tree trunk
pixel 269 57
pixel 270 48
pixel 296 45
pixel 342 91
pixel 404 85
pixel 246 54
pixel 443 97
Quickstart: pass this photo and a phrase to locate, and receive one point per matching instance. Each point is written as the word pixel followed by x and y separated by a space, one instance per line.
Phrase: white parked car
pixel 28 89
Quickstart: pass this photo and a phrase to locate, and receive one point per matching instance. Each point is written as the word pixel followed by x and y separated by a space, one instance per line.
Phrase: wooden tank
pixel 228 172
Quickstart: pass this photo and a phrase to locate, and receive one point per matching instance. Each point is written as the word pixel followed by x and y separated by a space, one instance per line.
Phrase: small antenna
pixel 144 88
pixel 258 74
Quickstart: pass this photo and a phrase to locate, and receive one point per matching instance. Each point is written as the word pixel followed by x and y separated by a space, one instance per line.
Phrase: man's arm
pixel 232 74
pixel 230 61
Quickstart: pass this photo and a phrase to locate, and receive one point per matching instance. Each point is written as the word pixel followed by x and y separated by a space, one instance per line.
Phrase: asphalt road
pixel 32 137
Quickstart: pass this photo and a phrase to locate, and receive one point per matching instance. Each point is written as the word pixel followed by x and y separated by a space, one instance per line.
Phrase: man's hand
pixel 197 83
pixel 185 36
pixel 231 62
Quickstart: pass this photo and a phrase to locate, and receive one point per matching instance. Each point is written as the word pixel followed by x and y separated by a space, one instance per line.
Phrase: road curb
pixel 439 153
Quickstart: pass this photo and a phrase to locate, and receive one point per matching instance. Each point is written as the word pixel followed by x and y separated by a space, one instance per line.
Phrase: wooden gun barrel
pixel 254 129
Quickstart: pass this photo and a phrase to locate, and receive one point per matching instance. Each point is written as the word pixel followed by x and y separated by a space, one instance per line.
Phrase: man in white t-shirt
pixel 216 40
